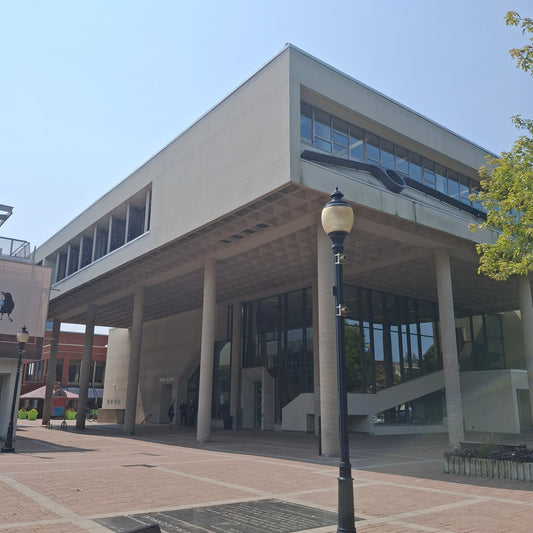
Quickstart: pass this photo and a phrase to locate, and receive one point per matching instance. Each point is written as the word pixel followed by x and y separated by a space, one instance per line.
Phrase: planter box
pixel 70 415
pixel 489 468
pixel 22 415
pixel 32 416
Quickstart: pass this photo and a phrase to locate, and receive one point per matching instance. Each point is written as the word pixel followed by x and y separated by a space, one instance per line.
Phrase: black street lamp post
pixel 337 221
pixel 22 338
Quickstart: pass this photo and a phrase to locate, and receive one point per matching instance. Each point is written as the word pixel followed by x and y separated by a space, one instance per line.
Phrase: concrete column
pixel 236 343
pixel 329 405
pixel 205 386
pixel 316 359
pixel 134 362
pixel 526 314
pixel 51 372
pixel 85 372
pixel 450 357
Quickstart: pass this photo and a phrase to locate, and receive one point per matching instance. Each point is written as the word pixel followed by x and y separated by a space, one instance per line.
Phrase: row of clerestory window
pixel 336 136
pixel 110 233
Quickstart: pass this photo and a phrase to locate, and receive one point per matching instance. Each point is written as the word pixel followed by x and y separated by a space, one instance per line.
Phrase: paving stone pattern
pixel 242 482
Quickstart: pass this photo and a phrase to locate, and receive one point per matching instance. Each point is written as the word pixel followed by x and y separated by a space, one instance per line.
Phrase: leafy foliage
pixel 524 55
pixel 519 454
pixel 507 189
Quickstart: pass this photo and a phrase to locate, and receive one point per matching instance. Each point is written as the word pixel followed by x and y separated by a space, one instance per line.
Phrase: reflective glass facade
pixel 342 139
pixel 278 334
pixel 390 339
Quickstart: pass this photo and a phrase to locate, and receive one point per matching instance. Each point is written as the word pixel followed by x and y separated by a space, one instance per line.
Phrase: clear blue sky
pixel 91 89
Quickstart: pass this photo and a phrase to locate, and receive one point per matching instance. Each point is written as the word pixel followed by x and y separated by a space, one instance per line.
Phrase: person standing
pixel 192 414
pixel 171 413
pixel 183 414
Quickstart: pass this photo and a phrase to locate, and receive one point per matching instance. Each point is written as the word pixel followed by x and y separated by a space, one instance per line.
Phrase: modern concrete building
pixel 24 290
pixel 211 263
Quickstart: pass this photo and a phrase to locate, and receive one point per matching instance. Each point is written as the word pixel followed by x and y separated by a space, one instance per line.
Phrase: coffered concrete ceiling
pixel 268 247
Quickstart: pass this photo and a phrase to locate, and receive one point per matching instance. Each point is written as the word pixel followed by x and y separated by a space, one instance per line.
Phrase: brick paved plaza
pixel 72 481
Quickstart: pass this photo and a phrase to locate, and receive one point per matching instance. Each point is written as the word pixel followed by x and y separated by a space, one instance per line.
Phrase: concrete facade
pixel 229 212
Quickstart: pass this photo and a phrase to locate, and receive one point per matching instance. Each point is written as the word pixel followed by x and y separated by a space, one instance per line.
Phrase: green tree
pixel 352 351
pixel 507 188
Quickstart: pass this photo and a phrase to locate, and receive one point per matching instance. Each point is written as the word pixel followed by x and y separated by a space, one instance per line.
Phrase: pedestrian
pixel 192 414
pixel 171 413
pixel 183 413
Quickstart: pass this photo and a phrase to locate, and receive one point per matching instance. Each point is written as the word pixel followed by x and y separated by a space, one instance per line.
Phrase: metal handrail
pixel 14 248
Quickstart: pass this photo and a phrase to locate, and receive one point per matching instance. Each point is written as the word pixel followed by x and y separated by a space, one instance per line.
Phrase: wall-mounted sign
pixel 24 295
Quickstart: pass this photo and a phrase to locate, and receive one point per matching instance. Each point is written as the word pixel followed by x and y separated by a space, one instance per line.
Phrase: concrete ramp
pixel 362 407
pixel 370 404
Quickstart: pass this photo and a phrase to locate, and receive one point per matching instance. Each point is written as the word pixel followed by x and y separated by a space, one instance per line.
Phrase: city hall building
pixel 211 264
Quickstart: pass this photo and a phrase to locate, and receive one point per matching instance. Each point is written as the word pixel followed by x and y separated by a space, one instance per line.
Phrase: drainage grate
pixel 145 466
pixel 263 516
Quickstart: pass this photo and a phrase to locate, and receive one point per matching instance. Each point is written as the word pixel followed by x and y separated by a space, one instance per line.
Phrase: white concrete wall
pixel 337 92
pixel 8 368
pixel 294 414
pixel 490 401
pixel 116 374
pixel 235 153
pixel 170 349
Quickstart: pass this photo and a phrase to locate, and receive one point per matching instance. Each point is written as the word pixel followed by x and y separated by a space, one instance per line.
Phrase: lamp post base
pixel 7 449
pixel 346 523
pixel 8 443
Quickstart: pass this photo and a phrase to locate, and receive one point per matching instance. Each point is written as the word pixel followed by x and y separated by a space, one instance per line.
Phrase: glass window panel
pixel 136 221
pixel 356 144
pixel 415 354
pixel 475 189
pixel 118 232
pixel 477 326
pixel 405 354
pixel 394 334
pixel 74 372
pixel 352 338
pixel 426 328
pixel 322 125
pixel 59 370
pixel 306 122
pixel 429 173
pixel 387 154
pixel 441 180
pixel 368 362
pixel 99 373
pixel 429 355
pixel 61 266
pixel 101 243
pixel 415 167
pixel 74 259
pixel 402 160
pixel 323 145
pixel 340 139
pixel 372 147
pixel 453 184
pixel 494 325
pixel 339 126
pixel 341 151
pixel 464 190
pixel 340 144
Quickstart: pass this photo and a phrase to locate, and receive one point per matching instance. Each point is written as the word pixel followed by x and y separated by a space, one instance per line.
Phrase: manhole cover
pixel 263 516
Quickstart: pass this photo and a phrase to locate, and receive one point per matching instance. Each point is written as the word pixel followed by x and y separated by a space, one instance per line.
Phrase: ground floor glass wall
pixel 278 335
pixel 389 338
